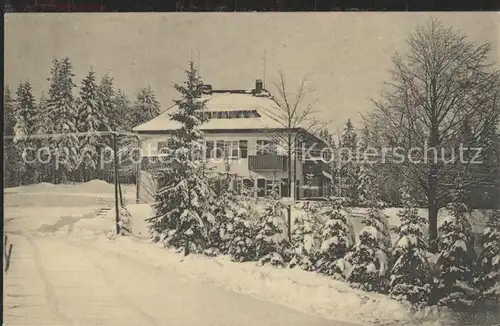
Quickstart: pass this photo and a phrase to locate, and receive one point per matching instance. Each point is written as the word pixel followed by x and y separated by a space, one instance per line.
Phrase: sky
pixel 344 57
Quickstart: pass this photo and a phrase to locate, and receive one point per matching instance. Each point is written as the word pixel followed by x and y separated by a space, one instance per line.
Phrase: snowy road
pixel 59 280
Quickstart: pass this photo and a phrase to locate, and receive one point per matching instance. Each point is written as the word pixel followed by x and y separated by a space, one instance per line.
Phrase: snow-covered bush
pixel 455 261
pixel 305 242
pixel 271 244
pixel 337 240
pixel 487 278
pixel 225 209
pixel 242 242
pixel 125 221
pixel 410 278
pixel 368 262
pixel 376 218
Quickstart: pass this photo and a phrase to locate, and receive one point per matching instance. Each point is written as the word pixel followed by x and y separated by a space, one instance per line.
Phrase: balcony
pixel 261 163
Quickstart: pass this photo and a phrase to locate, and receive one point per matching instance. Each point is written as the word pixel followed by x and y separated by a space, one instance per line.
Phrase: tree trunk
pixel 432 191
pixel 289 211
pixel 433 208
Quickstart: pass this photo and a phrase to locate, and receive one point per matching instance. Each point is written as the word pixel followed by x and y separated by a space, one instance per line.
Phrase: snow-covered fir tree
pixel 338 238
pixel 455 261
pixel 63 113
pixel 305 241
pixel 487 278
pixel 375 217
pixel 25 114
pixel 410 276
pixel 43 122
pixel 242 240
pixel 90 117
pixel 365 187
pixel 242 236
pixel 348 164
pixel 146 106
pixel 225 208
pixel 122 111
pixel 12 157
pixel 271 243
pixel 184 195
pixel 26 117
pixel 368 263
pixel 109 118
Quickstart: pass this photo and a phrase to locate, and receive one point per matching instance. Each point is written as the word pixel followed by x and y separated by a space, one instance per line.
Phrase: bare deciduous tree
pixel 442 83
pixel 296 123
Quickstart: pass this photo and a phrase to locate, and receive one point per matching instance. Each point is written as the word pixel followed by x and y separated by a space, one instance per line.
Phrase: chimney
pixel 258 86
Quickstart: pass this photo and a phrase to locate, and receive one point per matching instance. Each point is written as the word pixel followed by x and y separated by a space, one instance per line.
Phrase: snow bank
pixel 93 228
pixel 138 215
pixel 91 187
pixel 308 292
pixel 33 218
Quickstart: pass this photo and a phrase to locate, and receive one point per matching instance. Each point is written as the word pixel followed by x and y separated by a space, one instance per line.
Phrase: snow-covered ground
pixel 65 271
pixel 66 268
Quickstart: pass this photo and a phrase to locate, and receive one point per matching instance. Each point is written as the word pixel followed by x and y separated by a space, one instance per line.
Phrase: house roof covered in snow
pixel 229 110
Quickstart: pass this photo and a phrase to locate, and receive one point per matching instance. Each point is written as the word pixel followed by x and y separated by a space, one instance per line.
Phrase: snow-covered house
pixel 242 129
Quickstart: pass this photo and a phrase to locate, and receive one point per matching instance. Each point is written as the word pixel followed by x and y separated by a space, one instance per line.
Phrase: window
pixel 266 147
pixel 163 147
pixel 248 183
pixel 209 149
pixel 243 148
pixel 219 151
pixel 285 188
pixel 269 187
pixel 234 149
pixel 261 186
pixel 237 185
pixel 255 114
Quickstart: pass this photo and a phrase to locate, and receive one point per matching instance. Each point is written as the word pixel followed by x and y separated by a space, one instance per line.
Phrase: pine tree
pixel 25 112
pixel 12 156
pixel 225 209
pixel 271 244
pixel 242 240
pixel 370 259
pixel 338 238
pixel 411 278
pixel 63 113
pixel 90 117
pixel 349 138
pixel 376 218
pixel 365 187
pixel 348 168
pixel 146 106
pixel 43 144
pixel 487 278
pixel 305 242
pixel 122 112
pixel 25 116
pixel 109 117
pixel 368 262
pixel 455 262
pixel 184 194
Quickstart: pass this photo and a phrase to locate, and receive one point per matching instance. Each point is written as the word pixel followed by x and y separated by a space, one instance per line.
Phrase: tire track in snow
pixel 150 321
pixel 49 289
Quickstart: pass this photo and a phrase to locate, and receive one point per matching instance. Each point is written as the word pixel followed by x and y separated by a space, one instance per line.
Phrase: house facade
pixel 242 129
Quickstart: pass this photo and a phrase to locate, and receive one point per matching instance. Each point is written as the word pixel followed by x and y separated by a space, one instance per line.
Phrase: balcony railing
pixel 267 163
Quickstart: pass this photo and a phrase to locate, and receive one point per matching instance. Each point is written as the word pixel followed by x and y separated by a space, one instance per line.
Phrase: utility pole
pixel 117 211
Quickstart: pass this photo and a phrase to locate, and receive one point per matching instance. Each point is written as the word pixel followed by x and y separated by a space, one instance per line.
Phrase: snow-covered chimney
pixel 258 86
